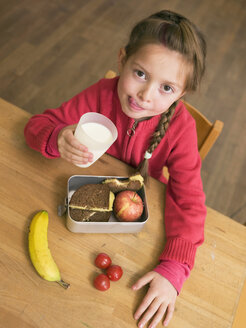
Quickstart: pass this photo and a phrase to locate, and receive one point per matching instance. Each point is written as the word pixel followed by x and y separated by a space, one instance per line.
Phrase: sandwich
pixel 134 183
pixel 92 203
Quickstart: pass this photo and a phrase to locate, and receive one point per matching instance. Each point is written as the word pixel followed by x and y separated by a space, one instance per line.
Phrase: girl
pixel 164 59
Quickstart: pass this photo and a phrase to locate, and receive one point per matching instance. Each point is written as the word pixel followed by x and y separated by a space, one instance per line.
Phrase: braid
pixel 156 139
pixel 162 128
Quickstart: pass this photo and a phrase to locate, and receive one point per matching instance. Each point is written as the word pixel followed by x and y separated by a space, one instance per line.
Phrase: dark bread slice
pixel 93 197
pixel 88 216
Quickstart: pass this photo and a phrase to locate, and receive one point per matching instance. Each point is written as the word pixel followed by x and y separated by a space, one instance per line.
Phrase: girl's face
pixel 151 80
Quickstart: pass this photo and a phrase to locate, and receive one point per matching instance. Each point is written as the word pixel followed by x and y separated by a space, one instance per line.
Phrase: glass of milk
pixel 97 133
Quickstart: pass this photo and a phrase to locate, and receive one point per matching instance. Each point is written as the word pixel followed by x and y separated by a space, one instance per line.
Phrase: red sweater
pixel 185 209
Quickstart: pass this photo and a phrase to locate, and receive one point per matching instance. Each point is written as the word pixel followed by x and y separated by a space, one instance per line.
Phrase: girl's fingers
pixel 78 159
pixel 142 281
pixel 150 312
pixel 73 142
pixel 158 317
pixel 70 150
pixel 75 157
pixel 169 314
pixel 148 299
pixel 74 154
pixel 158 301
pixel 66 137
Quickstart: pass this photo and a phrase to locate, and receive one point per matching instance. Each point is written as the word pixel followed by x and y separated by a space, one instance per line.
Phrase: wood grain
pixel 51 50
pixel 30 182
pixel 240 317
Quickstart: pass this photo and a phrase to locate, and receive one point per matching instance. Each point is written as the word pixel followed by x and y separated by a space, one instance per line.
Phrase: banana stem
pixel 64 284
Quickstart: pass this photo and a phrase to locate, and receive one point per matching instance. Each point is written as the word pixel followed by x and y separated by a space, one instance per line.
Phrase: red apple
pixel 128 206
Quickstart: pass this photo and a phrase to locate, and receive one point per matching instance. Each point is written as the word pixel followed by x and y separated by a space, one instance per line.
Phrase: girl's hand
pixel 71 149
pixel 160 299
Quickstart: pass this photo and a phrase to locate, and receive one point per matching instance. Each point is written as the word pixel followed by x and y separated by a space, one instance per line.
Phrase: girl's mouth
pixel 134 105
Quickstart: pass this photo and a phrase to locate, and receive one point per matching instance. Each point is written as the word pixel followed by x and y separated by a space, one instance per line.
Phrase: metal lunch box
pixel 113 225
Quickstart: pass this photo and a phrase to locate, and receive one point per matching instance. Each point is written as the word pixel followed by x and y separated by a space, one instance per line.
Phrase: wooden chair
pixel 207 132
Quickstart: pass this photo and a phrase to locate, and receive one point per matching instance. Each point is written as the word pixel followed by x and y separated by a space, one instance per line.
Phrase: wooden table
pixel 29 183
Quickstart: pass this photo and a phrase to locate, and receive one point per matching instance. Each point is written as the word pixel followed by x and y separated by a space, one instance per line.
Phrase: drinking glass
pixel 97 133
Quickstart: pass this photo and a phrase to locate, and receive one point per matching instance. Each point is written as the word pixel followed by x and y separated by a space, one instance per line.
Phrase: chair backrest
pixel 207 132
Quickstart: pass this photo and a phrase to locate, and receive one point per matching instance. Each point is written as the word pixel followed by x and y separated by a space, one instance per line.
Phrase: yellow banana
pixel 39 250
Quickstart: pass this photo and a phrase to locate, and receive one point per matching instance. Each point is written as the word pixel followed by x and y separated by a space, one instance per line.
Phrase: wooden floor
pixel 52 49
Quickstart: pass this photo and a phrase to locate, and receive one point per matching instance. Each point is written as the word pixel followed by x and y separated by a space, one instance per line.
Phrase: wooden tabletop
pixel 30 182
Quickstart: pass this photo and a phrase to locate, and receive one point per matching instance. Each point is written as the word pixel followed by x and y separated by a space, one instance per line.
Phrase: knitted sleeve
pixel 185 209
pixel 41 131
pixel 175 272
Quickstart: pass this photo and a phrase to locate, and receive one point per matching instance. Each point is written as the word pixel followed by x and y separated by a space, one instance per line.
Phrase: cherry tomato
pixel 103 261
pixel 114 272
pixel 102 282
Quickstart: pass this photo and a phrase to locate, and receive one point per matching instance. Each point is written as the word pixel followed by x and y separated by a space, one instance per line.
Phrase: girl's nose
pixel 144 93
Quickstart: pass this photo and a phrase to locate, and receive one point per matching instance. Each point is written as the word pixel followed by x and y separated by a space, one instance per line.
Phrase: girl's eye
pixel 140 74
pixel 167 89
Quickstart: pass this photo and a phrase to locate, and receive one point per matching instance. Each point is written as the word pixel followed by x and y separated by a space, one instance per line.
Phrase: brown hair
pixel 177 33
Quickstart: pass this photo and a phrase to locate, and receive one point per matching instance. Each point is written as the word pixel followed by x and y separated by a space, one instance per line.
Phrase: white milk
pixel 98 132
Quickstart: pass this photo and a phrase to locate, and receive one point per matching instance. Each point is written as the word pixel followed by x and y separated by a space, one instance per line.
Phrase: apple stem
pixel 134 195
